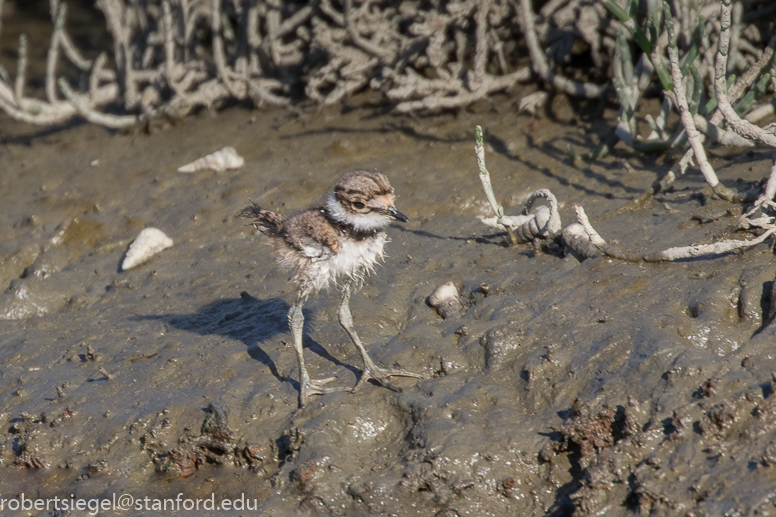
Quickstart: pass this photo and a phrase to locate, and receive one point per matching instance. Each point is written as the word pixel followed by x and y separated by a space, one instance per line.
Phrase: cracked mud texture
pixel 562 388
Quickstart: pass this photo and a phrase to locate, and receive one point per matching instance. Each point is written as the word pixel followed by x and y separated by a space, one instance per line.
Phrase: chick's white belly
pixel 355 260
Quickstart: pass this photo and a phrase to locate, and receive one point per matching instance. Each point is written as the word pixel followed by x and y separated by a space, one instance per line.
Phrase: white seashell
pixel 219 161
pixel 445 300
pixel 148 243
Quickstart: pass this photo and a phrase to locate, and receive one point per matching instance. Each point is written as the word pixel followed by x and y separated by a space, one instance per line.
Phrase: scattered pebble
pixel 91 355
pixel 105 373
pixel 445 301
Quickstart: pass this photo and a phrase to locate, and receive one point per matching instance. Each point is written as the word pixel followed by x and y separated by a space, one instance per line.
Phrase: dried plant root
pixel 576 241
pixel 172 56
pixel 479 150
pixel 542 224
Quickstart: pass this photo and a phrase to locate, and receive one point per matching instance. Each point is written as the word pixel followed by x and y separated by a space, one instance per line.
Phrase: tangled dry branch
pixel 171 56
pixel 586 241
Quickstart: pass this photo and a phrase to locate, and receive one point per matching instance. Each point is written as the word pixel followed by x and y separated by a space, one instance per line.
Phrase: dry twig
pixel 172 56
pixel 668 255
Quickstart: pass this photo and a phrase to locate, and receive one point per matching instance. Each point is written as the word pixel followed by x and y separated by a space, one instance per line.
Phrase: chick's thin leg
pixel 307 386
pixel 371 371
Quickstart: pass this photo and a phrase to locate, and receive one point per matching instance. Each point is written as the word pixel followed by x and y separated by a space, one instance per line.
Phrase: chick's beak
pixel 391 211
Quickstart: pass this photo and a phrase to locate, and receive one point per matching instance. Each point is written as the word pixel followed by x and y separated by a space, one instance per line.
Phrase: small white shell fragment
pixel 148 243
pixel 445 300
pixel 219 161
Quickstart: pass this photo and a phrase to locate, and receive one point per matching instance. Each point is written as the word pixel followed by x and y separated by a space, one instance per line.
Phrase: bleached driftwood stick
pixel 720 135
pixel 53 53
pixel 693 136
pixel 739 125
pixel 668 255
pixel 21 68
pixel 95 117
pixel 218 49
pixel 359 41
pixel 544 223
pixel 539 61
pixel 764 202
pixel 728 137
pixel 701 250
pixel 169 56
pixel 770 187
pixel 169 46
pixel 479 150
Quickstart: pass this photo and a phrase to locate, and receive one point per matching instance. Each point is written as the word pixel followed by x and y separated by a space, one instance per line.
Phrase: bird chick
pixel 338 244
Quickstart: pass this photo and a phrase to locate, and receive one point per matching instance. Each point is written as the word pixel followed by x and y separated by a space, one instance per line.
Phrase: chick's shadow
pixel 249 320
pixel 246 319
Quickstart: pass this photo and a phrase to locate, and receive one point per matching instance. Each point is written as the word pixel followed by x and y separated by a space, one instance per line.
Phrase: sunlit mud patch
pixel 474 204
pixel 29 297
pixel 375 430
pixel 366 429
pixel 13 265
pixel 464 449
pixel 332 438
pixel 708 336
pixel 34 272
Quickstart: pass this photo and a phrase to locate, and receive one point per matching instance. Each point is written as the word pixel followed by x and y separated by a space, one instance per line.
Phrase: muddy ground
pixel 564 387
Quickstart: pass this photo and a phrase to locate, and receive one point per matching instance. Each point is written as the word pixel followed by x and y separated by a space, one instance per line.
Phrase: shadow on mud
pixel 251 321
pixel 247 319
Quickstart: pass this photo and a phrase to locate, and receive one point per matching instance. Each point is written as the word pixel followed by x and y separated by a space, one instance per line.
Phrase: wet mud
pixel 552 386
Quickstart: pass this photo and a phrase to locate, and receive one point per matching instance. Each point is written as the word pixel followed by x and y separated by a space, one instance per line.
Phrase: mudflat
pixel 564 386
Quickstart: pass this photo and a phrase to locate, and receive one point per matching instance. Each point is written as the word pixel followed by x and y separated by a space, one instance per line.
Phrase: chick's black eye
pixel 359 205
